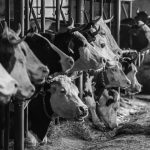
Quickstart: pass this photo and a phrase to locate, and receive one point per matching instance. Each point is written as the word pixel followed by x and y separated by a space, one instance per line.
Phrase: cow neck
pixel 104 81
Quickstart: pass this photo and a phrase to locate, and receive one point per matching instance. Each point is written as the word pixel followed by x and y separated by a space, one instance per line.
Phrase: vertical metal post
pixel 26 121
pixel 57 15
pixel 91 10
pixel 7 12
pixel 101 7
pixel 80 11
pixel 7 126
pixel 42 15
pixel 70 9
pixel 19 125
pixel 26 15
pixel 19 14
pixel 80 20
pixel 130 9
pixel 117 9
pixel 19 105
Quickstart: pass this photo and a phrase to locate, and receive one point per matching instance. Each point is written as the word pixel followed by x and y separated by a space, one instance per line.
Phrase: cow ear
pixel 52 89
pixel 138 10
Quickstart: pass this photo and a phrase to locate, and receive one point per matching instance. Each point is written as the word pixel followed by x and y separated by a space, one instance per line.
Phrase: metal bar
pixel 34 17
pixel 26 15
pixel 30 6
pixel 124 10
pixel 7 126
pixel 110 13
pixel 2 120
pixel 70 10
pixel 62 13
pixel 117 18
pixel 57 15
pixel 130 9
pixel 42 15
pixel 80 11
pixel 7 12
pixel 101 8
pixel 19 125
pixel 91 10
pixel 86 16
pixel 19 14
pixel 26 121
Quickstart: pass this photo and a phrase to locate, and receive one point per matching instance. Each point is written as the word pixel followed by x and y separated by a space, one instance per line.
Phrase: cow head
pixel 107 107
pixel 116 76
pixel 105 34
pixel 64 99
pixel 8 86
pixel 74 44
pixel 36 70
pixel 49 54
pixel 130 70
pixel 16 63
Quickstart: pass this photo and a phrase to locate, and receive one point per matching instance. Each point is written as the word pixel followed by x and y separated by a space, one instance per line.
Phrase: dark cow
pixel 60 98
pixel 49 54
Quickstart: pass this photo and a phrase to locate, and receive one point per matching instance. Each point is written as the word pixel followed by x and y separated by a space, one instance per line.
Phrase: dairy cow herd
pixel 42 67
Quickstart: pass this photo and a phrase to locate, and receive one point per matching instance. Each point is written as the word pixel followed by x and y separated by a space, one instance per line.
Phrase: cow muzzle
pixel 82 112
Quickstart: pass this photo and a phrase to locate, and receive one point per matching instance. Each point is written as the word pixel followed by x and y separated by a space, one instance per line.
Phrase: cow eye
pixel 103 33
pixel 63 91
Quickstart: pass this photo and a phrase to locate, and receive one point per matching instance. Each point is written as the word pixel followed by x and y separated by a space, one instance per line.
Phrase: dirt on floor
pixel 133 132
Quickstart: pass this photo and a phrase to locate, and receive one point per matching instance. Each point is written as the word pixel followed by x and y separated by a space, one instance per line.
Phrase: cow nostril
pixel 16 85
pixel 102 45
pixel 71 61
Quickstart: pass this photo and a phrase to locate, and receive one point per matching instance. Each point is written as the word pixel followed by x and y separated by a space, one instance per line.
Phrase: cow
pixel 130 70
pixel 106 35
pixel 49 54
pixel 61 98
pixel 36 70
pixel 14 61
pixel 97 38
pixel 112 76
pixel 107 107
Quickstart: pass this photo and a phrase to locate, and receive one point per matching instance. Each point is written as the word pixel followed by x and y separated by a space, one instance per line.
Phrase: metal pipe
pixel 124 10
pixel 7 12
pixel 26 121
pixel 117 8
pixel 80 11
pixel 7 126
pixel 42 15
pixel 70 9
pixel 26 15
pixel 130 9
pixel 101 8
pixel 19 14
pixel 91 10
pixel 19 125
pixel 57 15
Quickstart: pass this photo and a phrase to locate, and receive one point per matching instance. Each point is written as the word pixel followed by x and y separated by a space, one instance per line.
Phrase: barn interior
pixel 118 116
